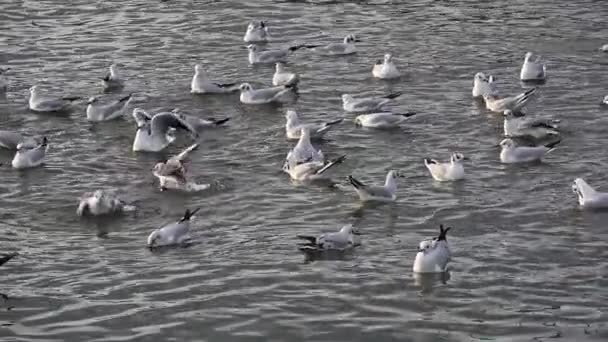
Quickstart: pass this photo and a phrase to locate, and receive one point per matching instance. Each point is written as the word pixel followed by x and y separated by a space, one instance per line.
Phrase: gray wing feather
pixel 161 123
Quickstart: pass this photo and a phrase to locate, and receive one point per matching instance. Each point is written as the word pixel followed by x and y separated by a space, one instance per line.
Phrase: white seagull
pixel 101 202
pixel 264 95
pixel 177 233
pixel 450 171
pixel 172 173
pixel 366 104
pixel 112 80
pixel 283 77
pixel 533 70
pixel 10 140
pixel 201 84
pixel 30 155
pixel 347 47
pixel 589 197
pixel 386 69
pixel 514 103
pixel 605 100
pixel 342 240
pixel 304 151
pixel 382 120
pixel 434 254
pixel 518 126
pixel 115 109
pixel 484 85
pixel 271 55
pixel 40 103
pixel 310 171
pixel 512 153
pixel 293 126
pixel 3 81
pixel 385 193
pixel 200 124
pixel 153 130
pixel 257 32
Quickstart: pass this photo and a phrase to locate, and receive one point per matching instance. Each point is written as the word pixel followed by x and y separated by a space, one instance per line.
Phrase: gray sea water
pixel 527 263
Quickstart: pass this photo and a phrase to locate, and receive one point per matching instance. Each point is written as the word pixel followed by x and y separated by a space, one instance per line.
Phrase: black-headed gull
pixel 433 254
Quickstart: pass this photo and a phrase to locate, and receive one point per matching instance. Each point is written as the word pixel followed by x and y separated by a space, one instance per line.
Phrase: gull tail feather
pixel 71 98
pixel 5 258
pixel 408 114
pixel 311 240
pixel 393 95
pixel 126 98
pixel 552 146
pixel 354 182
pixel 188 214
pixel 329 165
pixel 220 121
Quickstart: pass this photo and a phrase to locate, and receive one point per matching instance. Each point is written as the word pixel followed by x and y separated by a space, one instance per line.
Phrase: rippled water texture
pixel 527 263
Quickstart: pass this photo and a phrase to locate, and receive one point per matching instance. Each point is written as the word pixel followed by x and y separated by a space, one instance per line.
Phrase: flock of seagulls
pixel 304 162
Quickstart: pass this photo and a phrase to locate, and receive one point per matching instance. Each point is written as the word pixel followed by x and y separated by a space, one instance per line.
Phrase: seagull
pixel 10 140
pixel 153 131
pixel 110 111
pixel 518 126
pixel 511 153
pixel 264 95
pixel 385 69
pixel 3 81
pixel 533 70
pixel 293 126
pixel 304 151
pixel 604 48
pixel 201 84
pixel 199 124
pixel 112 81
pixel 101 202
pixel 257 33
pixel 450 171
pixel 177 233
pixel 382 120
pixel 271 55
pixel 434 254
pixel 366 104
pixel 484 85
pixel 342 240
pixel 514 103
pixel 39 103
pixel 30 155
pixel 588 197
pixel 172 172
pixel 605 100
pixel 384 193
pixel 282 77
pixel 347 47
pixel 313 170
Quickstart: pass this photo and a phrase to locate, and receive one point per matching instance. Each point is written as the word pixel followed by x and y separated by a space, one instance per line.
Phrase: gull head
pixel 457 157
pixel 114 69
pixel 251 27
pixel 528 56
pixel 388 58
pixel 507 143
pixel 21 147
pixel 92 99
pixel 153 238
pixel 291 114
pixel 252 47
pixel 346 98
pixel 158 167
pixel 199 69
pixel 481 77
pixel 351 38
pixel 98 194
pixel 280 66
pixel 508 114
pixel 425 245
pixel 349 229
pixel 244 87
pixel 305 132
pixel 34 89
pixel 605 101
pixel 394 174
pixel 576 186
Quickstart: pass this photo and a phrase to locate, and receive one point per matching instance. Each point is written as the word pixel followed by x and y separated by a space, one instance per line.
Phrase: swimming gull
pixel 153 130
pixel 589 197
pixel 201 84
pixel 40 103
pixel 264 95
pixel 518 126
pixel 293 126
pixel 283 77
pixel 172 173
pixel 30 155
pixel 342 240
pixel 514 103
pixel 386 69
pixel 385 193
pixel 511 153
pixel 347 47
pixel 433 254
pixel 313 170
pixel 257 56
pixel 450 171
pixel 382 120
pixel 101 202
pixel 104 112
pixel 366 104
pixel 257 32
pixel 484 85
pixel 112 80
pixel 176 233
pixel 533 70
